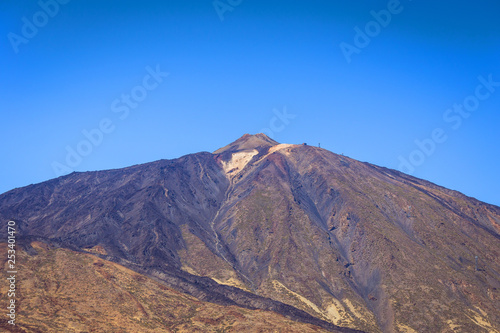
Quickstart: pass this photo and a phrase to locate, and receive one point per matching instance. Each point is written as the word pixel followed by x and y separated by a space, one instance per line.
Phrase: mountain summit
pixel 257 141
pixel 318 237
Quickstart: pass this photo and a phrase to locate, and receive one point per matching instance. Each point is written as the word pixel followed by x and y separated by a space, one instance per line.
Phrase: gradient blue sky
pixel 227 76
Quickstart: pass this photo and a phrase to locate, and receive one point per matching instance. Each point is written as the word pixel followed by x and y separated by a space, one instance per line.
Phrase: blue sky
pixel 69 69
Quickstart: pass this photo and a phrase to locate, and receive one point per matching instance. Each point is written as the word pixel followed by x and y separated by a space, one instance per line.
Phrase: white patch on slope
pixel 280 147
pixel 238 161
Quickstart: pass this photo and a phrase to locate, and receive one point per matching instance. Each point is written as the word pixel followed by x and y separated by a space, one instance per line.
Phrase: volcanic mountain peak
pixel 250 142
pixel 235 156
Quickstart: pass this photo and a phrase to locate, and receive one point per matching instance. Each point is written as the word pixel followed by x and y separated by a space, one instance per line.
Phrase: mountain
pixel 318 237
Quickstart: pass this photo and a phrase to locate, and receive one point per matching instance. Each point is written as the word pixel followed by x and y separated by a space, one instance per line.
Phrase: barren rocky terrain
pixel 68 291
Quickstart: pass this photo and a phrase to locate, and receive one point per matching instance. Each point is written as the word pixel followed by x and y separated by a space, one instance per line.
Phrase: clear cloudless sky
pixel 231 76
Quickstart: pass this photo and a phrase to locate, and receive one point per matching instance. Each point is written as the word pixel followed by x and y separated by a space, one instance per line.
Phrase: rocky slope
pixel 67 291
pixel 260 224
